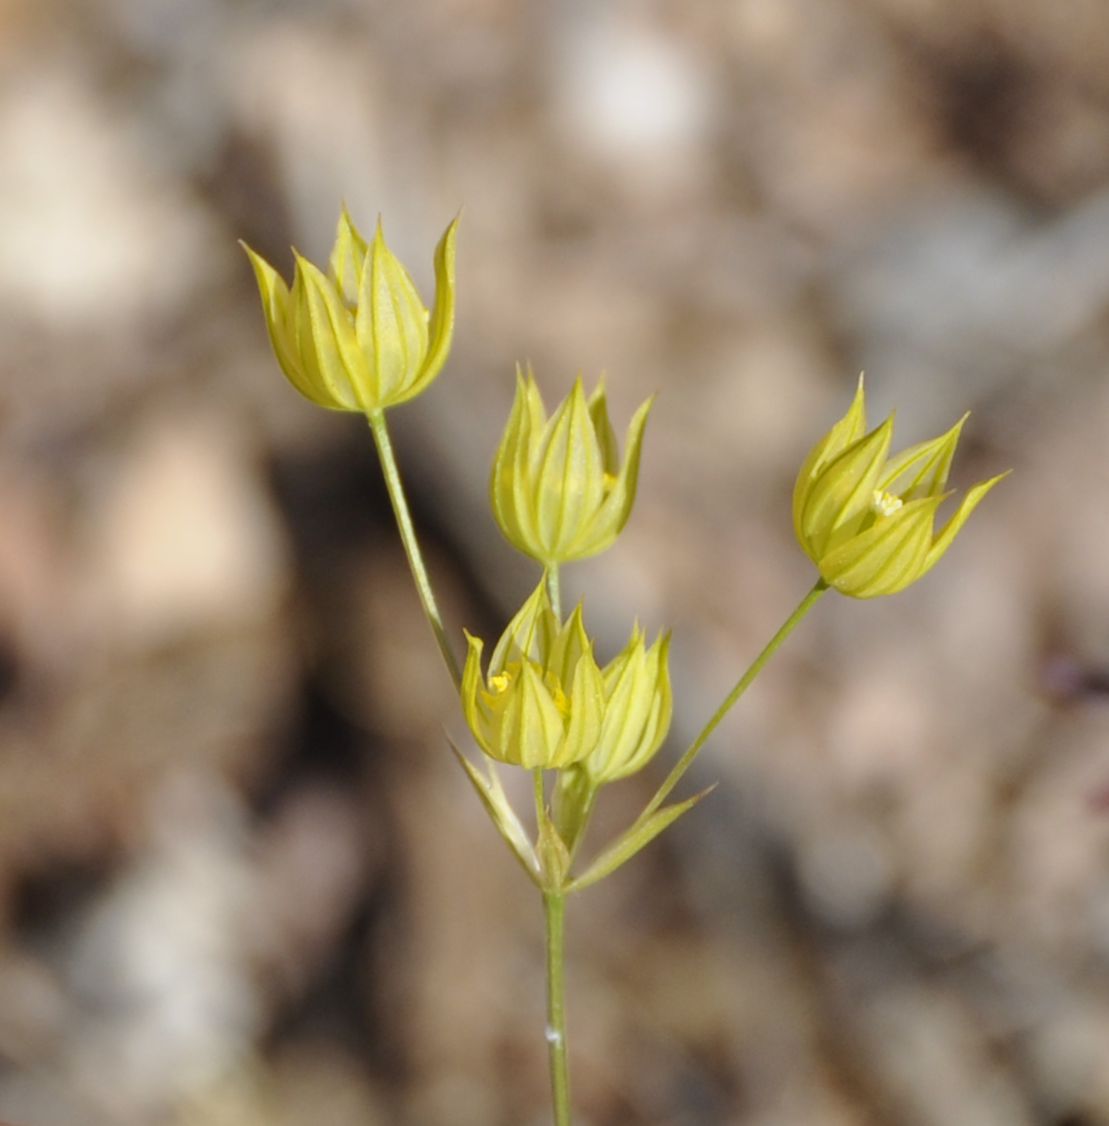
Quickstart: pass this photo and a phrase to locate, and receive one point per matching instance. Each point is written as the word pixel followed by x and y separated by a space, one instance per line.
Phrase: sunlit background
pixel 242 881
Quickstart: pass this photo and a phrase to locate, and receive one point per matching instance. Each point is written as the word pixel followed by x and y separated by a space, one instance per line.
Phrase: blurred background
pixel 242 881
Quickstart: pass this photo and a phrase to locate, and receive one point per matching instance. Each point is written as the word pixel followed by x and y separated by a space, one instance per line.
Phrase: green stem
pixel 411 544
pixel 553 594
pixel 741 686
pixel 554 907
pixel 540 794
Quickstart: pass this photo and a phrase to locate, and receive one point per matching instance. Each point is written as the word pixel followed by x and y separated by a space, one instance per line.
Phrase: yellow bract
pixel 558 490
pixel 866 519
pixel 544 702
pixel 358 338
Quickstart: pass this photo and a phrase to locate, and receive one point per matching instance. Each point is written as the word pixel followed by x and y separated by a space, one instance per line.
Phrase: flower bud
pixel 867 520
pixel 637 710
pixel 358 338
pixel 557 488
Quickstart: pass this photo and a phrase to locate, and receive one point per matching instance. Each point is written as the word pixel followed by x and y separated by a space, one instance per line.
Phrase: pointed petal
pixel 885 558
pixel 276 307
pixel 505 493
pixel 843 489
pixel 472 684
pixel 523 633
pixel 337 363
pixel 348 256
pixel 922 470
pixel 602 424
pixel 951 529
pixel 536 735
pixel 627 705
pixel 537 412
pixel 391 323
pixel 569 484
pixel 568 645
pixel 586 710
pixel 533 425
pixel 637 714
pixel 656 725
pixel 441 327
pixel 844 433
pixel 613 515
pixel 303 344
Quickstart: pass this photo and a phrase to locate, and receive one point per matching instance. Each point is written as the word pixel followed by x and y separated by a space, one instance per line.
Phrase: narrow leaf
pixel 636 838
pixel 504 819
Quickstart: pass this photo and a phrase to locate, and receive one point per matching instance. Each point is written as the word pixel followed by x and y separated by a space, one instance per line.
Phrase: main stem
pixel 554 906
pixel 741 686
pixel 411 544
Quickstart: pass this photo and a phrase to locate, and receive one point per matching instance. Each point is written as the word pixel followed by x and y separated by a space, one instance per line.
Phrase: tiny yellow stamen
pixel 499 683
pixel 561 701
pixel 885 504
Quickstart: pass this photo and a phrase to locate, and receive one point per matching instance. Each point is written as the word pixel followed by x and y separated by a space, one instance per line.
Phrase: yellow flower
pixel 867 520
pixel 544 701
pixel 358 338
pixel 557 488
pixel 540 703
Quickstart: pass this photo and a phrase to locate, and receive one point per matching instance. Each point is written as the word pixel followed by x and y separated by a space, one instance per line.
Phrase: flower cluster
pixel 358 337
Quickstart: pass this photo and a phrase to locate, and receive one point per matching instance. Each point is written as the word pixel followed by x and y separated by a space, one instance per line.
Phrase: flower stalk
pixel 395 488
pixel 730 701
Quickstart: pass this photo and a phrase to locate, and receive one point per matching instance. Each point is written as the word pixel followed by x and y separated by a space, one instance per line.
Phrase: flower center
pixel 885 504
